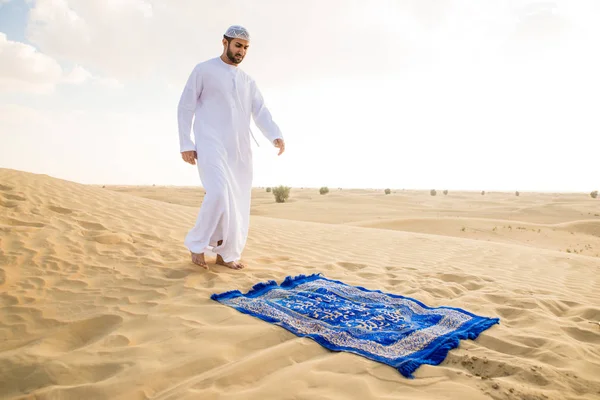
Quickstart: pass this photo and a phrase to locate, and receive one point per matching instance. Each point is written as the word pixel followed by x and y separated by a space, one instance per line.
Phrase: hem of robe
pixel 213 249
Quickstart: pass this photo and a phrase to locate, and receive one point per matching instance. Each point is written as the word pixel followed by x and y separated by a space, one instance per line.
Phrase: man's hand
pixel 279 143
pixel 189 156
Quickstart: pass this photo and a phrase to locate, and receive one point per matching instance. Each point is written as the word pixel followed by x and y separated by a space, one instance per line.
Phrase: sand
pixel 100 301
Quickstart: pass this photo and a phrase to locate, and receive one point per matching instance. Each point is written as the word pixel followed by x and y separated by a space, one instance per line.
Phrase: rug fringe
pixel 482 326
pixel 408 367
pixel 262 287
pixel 295 280
pixel 256 290
pixel 441 352
pixel 225 295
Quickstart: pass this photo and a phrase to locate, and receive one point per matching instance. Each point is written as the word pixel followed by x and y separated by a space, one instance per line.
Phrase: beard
pixel 232 57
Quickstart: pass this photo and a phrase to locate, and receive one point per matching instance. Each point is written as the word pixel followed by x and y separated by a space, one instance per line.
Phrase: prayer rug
pixel 399 331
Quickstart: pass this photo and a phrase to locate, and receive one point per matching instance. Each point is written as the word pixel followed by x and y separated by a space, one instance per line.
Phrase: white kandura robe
pixel 221 99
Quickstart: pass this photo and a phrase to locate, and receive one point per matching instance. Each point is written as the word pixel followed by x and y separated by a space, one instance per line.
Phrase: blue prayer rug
pixel 396 330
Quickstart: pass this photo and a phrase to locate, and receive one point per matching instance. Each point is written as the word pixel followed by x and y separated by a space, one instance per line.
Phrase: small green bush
pixel 387 191
pixel 483 192
pixel 445 192
pixel 517 193
pixel 324 190
pixel 268 190
pixel 594 194
pixel 281 193
pixel 433 192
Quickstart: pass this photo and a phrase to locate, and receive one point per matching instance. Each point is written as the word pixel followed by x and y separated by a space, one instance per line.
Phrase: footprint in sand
pixel 112 238
pixel 13 197
pixel 177 274
pixel 60 210
pixel 93 233
pixel 391 268
pixel 57 375
pixel 447 292
pixel 489 369
pixel 470 282
pixel 271 260
pixel 8 204
pixel 510 313
pixel 93 226
pixel 581 335
pixel 71 284
pixel 522 303
pixel 590 314
pixel 7 300
pixel 556 307
pixel 75 335
pixel 16 222
pixel 368 275
pixel 116 341
pixel 33 283
pixel 351 266
pixel 148 237
pixel 396 281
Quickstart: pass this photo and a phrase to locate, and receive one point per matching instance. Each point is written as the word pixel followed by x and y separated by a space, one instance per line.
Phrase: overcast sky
pixel 476 95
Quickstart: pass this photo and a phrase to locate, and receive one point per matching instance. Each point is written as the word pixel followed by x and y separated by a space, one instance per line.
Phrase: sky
pixel 413 94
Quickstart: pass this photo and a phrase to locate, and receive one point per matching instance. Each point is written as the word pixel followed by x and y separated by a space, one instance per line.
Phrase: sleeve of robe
pixel 187 108
pixel 262 116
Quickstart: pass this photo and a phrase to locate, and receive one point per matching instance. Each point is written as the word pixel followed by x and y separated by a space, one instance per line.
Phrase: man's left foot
pixel 231 264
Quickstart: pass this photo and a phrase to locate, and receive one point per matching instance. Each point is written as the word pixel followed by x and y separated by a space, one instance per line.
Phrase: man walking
pixel 221 99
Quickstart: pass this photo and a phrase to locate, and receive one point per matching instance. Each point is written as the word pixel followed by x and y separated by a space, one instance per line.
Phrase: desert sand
pixel 99 299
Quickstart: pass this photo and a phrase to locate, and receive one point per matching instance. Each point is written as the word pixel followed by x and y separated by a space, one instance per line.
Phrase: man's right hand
pixel 189 156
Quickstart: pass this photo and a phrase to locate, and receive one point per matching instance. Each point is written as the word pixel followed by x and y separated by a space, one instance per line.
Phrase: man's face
pixel 237 50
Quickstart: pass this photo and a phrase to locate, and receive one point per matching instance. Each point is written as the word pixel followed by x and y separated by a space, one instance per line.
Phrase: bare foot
pixel 231 264
pixel 198 259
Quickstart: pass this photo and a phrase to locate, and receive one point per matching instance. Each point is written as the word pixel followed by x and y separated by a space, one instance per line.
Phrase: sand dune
pixel 99 300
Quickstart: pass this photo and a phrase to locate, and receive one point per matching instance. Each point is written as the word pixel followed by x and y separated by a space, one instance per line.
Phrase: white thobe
pixel 221 99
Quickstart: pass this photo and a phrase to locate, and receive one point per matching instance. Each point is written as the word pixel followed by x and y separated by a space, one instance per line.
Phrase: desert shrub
pixel 281 193
pixel 324 190
pixel 268 190
pixel 445 192
pixel 594 194
pixel 483 192
pixel 433 192
pixel 387 191
pixel 517 193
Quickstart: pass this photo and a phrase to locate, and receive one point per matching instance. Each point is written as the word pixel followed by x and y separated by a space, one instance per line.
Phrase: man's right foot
pixel 198 259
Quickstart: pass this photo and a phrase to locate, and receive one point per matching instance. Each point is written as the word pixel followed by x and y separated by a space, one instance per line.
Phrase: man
pixel 221 99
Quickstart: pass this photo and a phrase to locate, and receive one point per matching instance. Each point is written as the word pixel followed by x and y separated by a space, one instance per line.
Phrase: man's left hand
pixel 279 143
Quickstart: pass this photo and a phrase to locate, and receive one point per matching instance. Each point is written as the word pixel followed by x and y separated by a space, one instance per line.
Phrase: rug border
pixel 405 365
